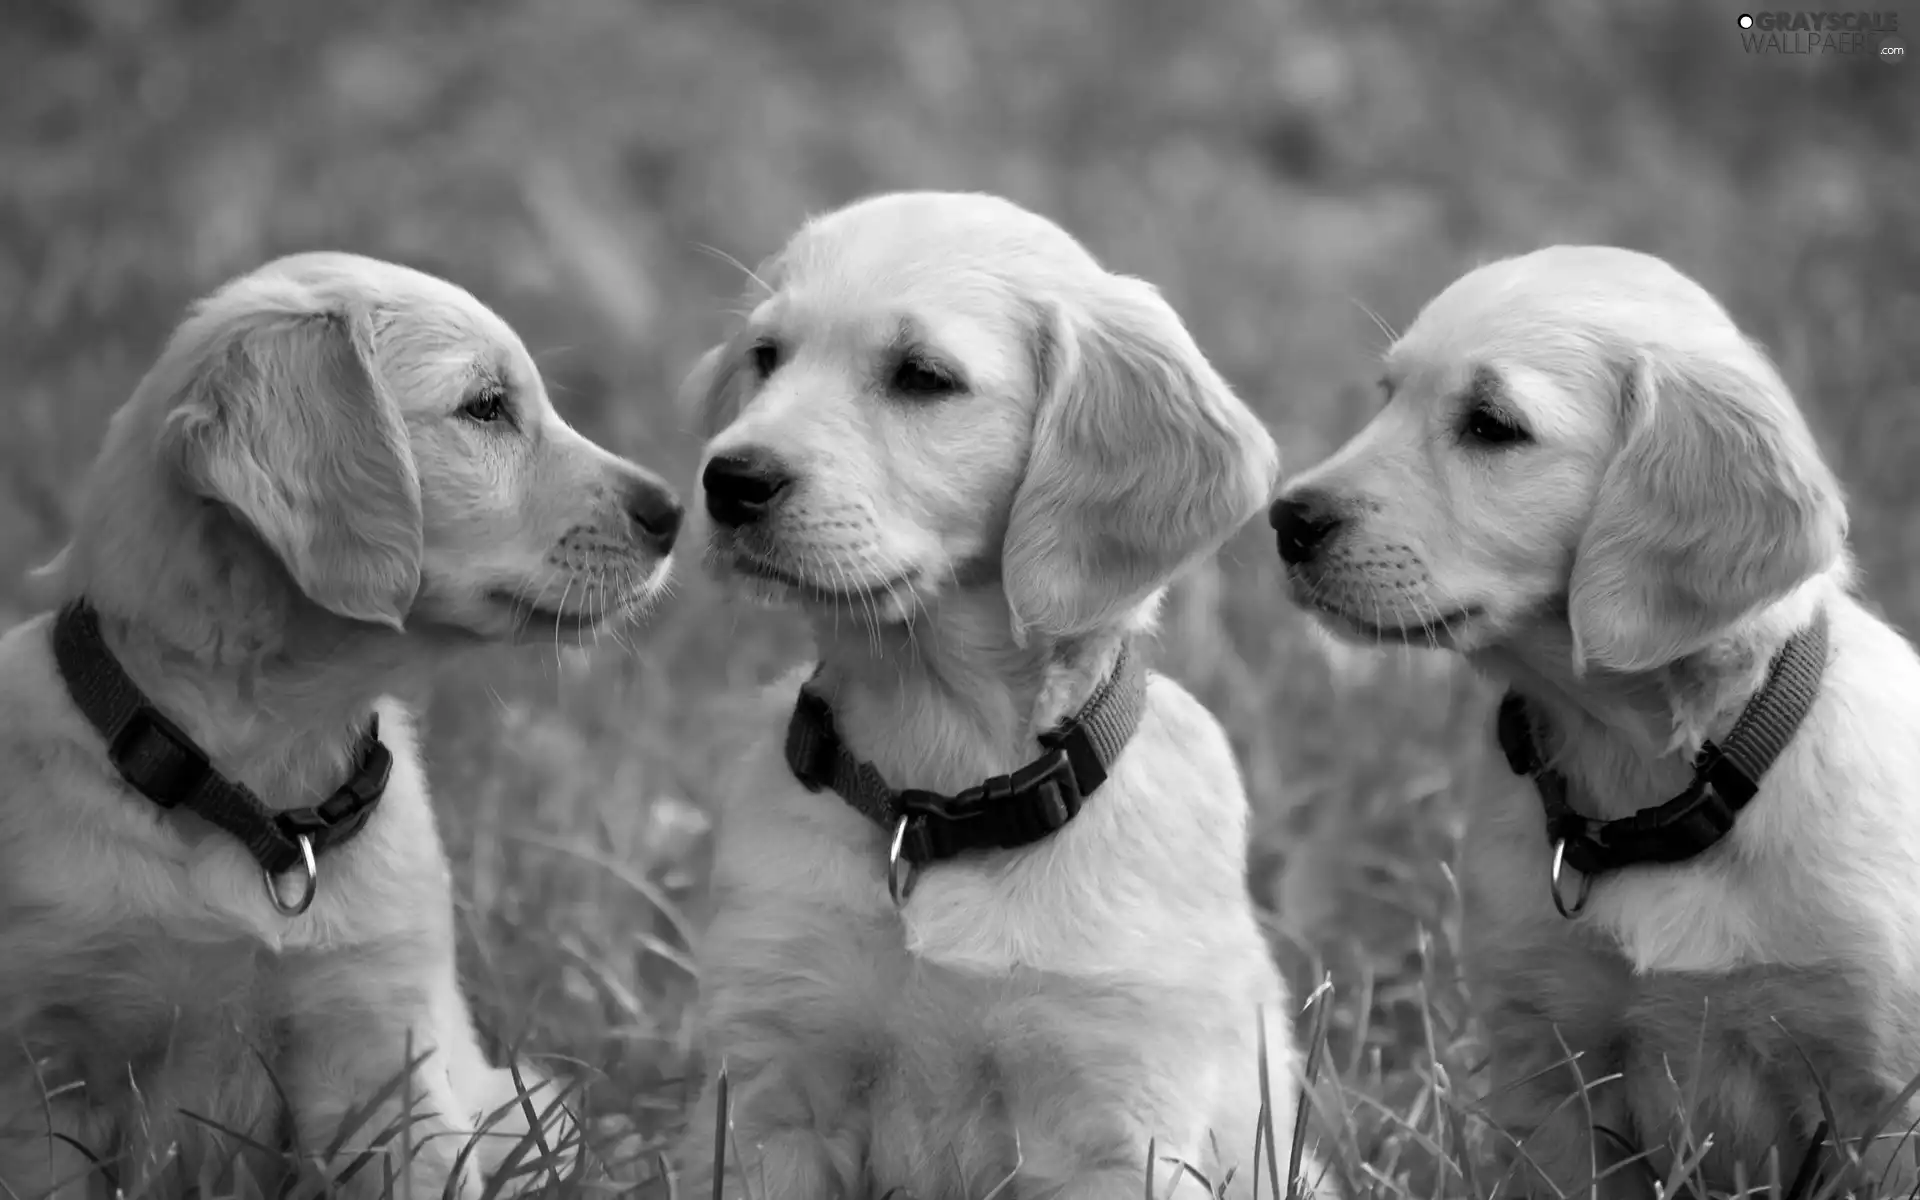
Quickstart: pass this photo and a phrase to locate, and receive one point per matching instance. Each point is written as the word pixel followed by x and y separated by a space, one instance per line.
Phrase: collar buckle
pixel 348 809
pixel 1701 816
pixel 1053 794
pixel 158 758
pixel 1003 811
pixel 1718 773
pixel 367 785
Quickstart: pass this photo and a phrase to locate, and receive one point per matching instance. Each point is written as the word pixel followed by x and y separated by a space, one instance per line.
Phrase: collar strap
pixel 1725 777
pixel 1003 813
pixel 163 764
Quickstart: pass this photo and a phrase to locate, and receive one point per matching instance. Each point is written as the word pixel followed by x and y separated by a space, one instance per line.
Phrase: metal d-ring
pixel 1559 899
pixel 899 870
pixel 308 869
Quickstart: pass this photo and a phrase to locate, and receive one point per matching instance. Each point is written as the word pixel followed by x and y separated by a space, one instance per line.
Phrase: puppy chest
pixel 1023 1083
pixel 969 1119
pixel 154 1015
pixel 1743 1054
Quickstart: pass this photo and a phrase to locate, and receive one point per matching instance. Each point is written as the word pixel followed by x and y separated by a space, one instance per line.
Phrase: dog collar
pixel 163 764
pixel 1725 777
pixel 1003 813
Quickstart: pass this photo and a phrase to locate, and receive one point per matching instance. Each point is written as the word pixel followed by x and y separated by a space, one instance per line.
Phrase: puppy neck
pixel 1627 740
pixel 273 689
pixel 950 698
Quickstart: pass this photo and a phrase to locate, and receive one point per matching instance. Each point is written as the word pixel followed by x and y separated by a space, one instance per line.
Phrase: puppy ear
pixel 1143 461
pixel 284 421
pixel 46 581
pixel 1717 503
pixel 715 387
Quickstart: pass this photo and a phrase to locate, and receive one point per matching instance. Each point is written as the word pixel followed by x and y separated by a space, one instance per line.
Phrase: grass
pixel 1283 170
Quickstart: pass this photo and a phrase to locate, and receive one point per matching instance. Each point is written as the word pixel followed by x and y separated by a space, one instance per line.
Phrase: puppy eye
pixel 766 358
pixel 486 408
pixel 915 377
pixel 1490 428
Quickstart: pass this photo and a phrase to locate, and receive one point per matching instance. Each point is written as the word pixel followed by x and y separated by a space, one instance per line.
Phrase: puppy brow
pixel 910 344
pixel 909 335
pixel 1485 387
pixel 483 377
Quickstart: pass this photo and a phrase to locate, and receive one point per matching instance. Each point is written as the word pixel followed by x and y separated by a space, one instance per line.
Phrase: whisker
pixel 1378 618
pixel 623 612
pixel 559 612
pixel 1389 332
pixel 731 261
pixel 593 591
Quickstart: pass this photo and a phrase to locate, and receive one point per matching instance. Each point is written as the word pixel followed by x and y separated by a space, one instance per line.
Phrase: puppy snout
pixel 742 486
pixel 655 512
pixel 1303 522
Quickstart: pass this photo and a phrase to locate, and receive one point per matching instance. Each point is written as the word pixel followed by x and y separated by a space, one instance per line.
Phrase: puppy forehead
pixel 951 226
pixel 1567 300
pixel 400 296
pixel 973 252
pixel 433 338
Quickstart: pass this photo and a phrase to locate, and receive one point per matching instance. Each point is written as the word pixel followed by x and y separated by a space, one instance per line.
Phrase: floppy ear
pixel 1143 461
pixel 1717 503
pixel 283 420
pixel 715 387
pixel 45 581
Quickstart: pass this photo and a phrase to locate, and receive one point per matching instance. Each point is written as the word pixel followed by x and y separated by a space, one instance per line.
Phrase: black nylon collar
pixel 1725 777
pixel 1003 813
pixel 164 765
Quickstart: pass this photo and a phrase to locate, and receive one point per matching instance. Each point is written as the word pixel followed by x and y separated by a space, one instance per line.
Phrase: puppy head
pixel 387 441
pixel 1580 434
pixel 944 391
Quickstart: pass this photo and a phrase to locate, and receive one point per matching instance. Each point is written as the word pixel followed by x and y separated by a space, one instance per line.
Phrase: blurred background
pixel 1281 169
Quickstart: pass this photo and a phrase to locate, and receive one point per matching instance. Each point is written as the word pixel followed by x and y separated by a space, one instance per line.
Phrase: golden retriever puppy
pixel 975 459
pixel 1590 483
pixel 223 902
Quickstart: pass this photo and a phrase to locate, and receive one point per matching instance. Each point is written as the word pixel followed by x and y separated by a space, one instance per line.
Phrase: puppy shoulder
pixel 1184 734
pixel 70 847
pixel 1852 765
pixel 1872 683
pixel 53 763
pixel 1850 837
pixel 34 703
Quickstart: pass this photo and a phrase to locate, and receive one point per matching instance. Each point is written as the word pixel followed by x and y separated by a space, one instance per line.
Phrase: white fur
pixel 289 519
pixel 1632 566
pixel 970 562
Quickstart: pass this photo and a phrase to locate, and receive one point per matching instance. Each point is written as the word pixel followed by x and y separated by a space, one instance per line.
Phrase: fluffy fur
pixel 999 454
pixel 338 472
pixel 1631 562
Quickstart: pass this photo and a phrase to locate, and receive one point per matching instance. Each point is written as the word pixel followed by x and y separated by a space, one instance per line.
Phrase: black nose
pixel 1304 521
pixel 655 513
pixel 742 487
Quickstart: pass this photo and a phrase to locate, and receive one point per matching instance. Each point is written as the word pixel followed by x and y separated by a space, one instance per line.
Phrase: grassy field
pixel 1279 168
